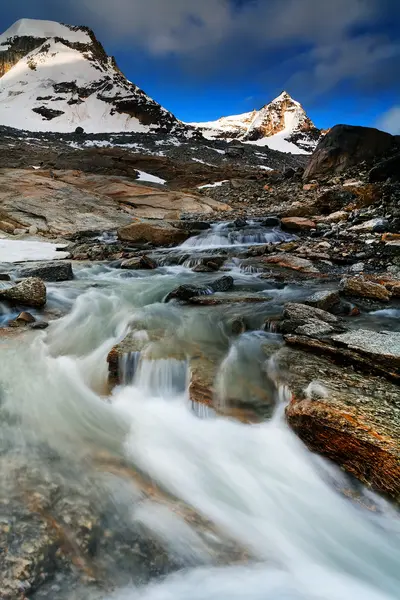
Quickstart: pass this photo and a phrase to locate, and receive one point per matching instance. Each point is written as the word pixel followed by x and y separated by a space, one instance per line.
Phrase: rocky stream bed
pixel 199 387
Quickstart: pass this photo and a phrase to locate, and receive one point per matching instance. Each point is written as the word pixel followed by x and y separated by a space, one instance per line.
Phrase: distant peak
pixel 37 28
pixel 283 96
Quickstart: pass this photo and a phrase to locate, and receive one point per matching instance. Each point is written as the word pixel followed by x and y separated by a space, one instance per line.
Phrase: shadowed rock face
pixel 345 146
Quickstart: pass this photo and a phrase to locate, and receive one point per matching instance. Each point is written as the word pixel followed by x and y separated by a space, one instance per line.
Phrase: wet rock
pixel 139 262
pixel 325 300
pixel 30 292
pixel 307 320
pixel 184 293
pixel 208 264
pixel 49 271
pixel 271 222
pixel 347 145
pixel 39 325
pixel 297 224
pixel 358 286
pixel 155 232
pixel 240 222
pixel 288 261
pixel 355 422
pixel 217 300
pixel 5 277
pixel 23 319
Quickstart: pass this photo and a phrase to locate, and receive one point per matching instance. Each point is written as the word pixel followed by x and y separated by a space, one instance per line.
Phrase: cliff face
pixel 56 77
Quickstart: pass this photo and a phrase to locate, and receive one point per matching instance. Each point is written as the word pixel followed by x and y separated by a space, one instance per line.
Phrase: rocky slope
pixel 281 125
pixel 58 77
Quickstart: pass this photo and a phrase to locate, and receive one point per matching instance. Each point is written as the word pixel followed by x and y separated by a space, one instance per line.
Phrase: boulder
pixel 349 422
pixel 297 224
pixel 347 145
pixel 208 264
pixel 358 286
pixel 23 319
pixel 30 292
pixel 155 232
pixel 324 300
pixel 139 262
pixel 386 169
pixel 48 271
pixel 307 320
pixel 288 261
pixel 184 293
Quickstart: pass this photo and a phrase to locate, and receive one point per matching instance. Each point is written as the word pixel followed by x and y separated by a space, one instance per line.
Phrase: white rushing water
pixel 257 484
pixel 225 235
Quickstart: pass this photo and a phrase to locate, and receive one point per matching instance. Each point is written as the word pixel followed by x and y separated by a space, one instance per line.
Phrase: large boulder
pixel 30 292
pixel 155 232
pixel 48 271
pixel 347 145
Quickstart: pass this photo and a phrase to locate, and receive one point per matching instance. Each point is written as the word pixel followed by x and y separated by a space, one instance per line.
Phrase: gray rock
pixel 30 292
pixel 305 313
pixel 48 271
pixel 323 300
pixel 186 292
pixel 357 268
pixel 384 345
pixel 314 327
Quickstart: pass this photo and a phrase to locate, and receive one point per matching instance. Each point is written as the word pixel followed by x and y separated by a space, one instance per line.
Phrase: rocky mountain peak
pixel 56 77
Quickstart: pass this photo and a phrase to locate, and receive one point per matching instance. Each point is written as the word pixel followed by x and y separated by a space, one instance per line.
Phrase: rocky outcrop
pixel 347 145
pixel 350 418
pixel 67 202
pixel 30 292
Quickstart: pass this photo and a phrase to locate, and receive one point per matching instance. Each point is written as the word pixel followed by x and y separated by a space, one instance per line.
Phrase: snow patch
pixel 43 29
pixel 16 250
pixel 143 176
pixel 213 185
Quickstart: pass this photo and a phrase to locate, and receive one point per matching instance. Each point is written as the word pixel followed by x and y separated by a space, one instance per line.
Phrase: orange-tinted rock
pixel 310 186
pixel 288 261
pixel 297 224
pixel 156 232
pixel 358 286
pixel 348 422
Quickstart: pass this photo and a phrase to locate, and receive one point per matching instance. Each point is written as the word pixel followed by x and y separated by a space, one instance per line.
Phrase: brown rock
pixel 7 227
pixel 358 286
pixel 297 224
pixel 347 145
pixel 288 261
pixel 158 233
pixel 30 292
pixel 310 186
pixel 139 262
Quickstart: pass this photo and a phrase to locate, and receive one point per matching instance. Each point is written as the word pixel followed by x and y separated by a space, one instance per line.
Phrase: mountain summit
pixel 56 77
pixel 281 125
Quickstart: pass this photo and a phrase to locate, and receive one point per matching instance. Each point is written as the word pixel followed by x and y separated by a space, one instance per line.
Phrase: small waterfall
pixel 165 377
pixel 229 235
pixel 127 366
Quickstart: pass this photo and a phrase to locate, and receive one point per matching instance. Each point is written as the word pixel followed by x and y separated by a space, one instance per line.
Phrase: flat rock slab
pixel 384 345
pixel 218 299
pixel 348 417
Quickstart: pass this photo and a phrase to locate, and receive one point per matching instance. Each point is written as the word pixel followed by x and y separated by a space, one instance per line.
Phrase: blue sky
pixel 203 59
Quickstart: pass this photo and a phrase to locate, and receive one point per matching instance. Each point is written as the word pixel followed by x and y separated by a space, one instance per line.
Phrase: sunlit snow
pixel 19 250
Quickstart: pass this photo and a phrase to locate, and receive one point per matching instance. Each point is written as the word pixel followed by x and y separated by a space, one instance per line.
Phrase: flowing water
pixel 256 484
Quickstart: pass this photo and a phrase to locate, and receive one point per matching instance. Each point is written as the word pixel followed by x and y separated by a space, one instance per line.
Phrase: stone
pixel 357 268
pixel 337 217
pixel 358 286
pixel 33 230
pixel 333 201
pixel 39 325
pixel 383 346
pixel 375 225
pixel 184 293
pixel 25 317
pixel 30 292
pixel 307 187
pixel 302 312
pixel 7 227
pixel 386 169
pixel 155 232
pixel 139 262
pixel 355 423
pixel 314 327
pixel 324 300
pixel 347 145
pixel 288 261
pixel 297 224
pixel 48 271
pixel 5 277
pixel 271 222
pixel 214 300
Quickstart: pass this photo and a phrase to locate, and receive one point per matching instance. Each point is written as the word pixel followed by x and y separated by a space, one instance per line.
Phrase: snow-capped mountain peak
pixel 56 77
pixel 281 125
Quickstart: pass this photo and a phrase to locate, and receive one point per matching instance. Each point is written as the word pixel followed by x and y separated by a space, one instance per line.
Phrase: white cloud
pixel 390 121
